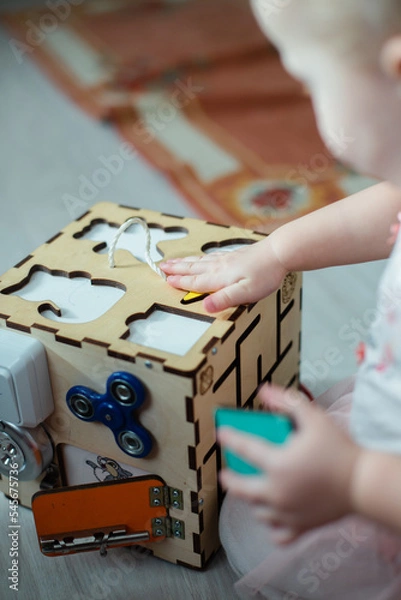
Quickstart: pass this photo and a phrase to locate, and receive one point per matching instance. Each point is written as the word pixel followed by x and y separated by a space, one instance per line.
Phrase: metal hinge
pixel 168 527
pixel 170 498
pixel 166 496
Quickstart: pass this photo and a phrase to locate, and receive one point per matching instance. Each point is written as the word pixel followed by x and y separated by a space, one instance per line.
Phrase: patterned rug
pixel 196 88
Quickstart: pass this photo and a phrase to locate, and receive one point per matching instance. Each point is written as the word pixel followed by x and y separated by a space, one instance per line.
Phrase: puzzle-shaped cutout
pixel 168 331
pixel 133 239
pixel 226 246
pixel 68 298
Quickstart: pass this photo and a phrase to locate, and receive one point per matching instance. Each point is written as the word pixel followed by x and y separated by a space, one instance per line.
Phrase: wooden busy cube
pixel 135 371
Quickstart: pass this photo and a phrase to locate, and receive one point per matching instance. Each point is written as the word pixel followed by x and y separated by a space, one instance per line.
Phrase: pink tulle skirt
pixel 350 559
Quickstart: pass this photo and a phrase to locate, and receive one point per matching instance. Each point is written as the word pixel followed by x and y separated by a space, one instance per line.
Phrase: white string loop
pixel 148 258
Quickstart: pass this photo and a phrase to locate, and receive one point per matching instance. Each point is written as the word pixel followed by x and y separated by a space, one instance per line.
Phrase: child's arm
pixel 352 230
pixel 318 476
pixel 376 487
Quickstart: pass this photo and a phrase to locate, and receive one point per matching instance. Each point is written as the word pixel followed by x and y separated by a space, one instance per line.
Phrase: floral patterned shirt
pixel 376 408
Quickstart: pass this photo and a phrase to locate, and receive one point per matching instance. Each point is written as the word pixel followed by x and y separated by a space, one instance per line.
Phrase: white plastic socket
pixel 25 392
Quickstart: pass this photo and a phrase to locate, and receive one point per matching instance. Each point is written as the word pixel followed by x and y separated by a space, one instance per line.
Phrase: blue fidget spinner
pixel 115 409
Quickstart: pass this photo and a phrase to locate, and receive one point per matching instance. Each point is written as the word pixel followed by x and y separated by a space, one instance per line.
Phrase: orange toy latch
pixel 102 515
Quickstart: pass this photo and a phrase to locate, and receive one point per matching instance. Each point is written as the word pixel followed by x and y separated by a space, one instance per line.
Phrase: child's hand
pixel 240 277
pixel 307 481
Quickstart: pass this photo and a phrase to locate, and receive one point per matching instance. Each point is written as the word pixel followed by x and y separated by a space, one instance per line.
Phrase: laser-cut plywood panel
pixel 68 298
pixel 184 376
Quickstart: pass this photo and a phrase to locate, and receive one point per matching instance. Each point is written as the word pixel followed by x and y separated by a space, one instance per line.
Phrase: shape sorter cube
pixel 109 380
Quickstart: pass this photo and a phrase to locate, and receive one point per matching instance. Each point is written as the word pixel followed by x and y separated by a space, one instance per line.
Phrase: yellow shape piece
pixel 193 297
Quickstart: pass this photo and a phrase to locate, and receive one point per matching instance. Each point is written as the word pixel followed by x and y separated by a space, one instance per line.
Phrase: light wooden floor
pixel 46 145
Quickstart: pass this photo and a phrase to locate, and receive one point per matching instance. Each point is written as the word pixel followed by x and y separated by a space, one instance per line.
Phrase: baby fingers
pixel 253 449
pixel 281 534
pixel 250 488
pixel 265 514
pixel 193 283
pixel 183 266
pixel 178 259
pixel 283 529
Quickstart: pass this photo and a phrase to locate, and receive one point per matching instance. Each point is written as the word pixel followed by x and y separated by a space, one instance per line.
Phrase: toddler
pixel 323 521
